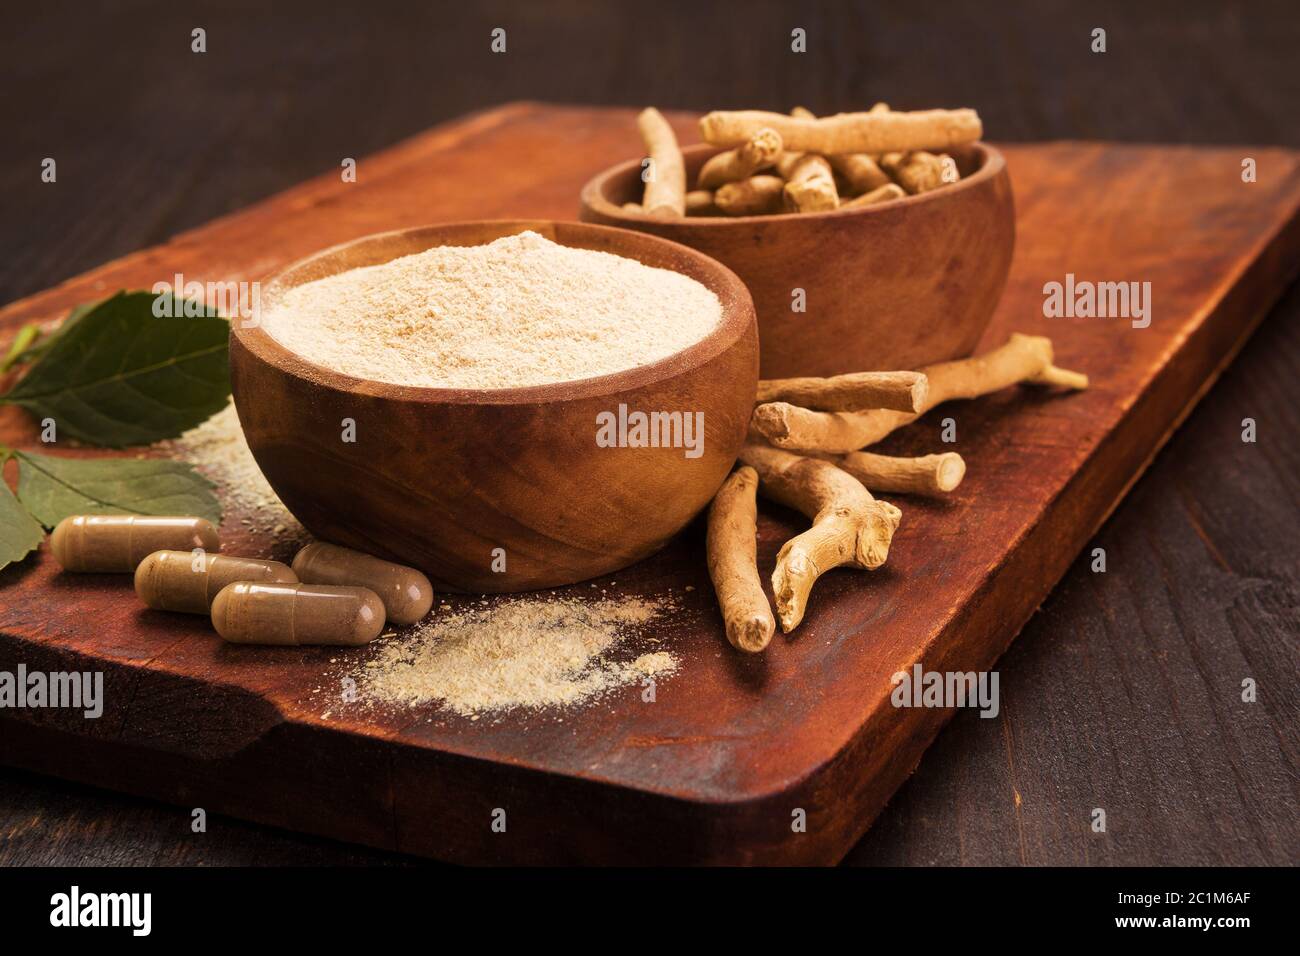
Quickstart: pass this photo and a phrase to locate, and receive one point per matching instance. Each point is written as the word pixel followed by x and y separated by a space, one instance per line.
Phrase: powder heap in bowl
pixel 518 311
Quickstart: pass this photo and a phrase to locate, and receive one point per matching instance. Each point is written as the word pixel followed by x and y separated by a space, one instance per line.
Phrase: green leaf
pixel 20 349
pixel 116 375
pixel 53 488
pixel 41 345
pixel 19 534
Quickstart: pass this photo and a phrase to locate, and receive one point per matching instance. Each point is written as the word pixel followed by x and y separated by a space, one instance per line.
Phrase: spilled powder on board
pixel 515 312
pixel 219 450
pixel 517 653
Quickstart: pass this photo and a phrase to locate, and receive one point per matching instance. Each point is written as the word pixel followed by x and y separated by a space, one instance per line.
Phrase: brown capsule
pixel 121 542
pixel 406 593
pixel 189 582
pixel 245 613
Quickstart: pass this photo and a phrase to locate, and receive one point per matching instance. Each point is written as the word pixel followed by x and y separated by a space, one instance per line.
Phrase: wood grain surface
pixel 294 88
pixel 713 771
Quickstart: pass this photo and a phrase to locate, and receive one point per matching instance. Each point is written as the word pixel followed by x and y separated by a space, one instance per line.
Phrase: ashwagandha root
pixel 883 194
pixel 871 132
pixel 917 172
pixel 758 152
pixel 859 170
pixel 1025 359
pixel 754 196
pixel 932 475
pixel 810 183
pixel 849 526
pixel 699 202
pixel 733 563
pixel 810 180
pixel 901 391
pixel 665 189
pixel 801 429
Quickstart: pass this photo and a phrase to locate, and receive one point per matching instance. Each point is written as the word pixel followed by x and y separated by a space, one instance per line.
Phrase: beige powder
pixel 524 652
pixel 518 311
pixel 218 449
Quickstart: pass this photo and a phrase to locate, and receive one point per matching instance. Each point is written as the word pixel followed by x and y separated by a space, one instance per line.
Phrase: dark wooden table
pixel 1106 697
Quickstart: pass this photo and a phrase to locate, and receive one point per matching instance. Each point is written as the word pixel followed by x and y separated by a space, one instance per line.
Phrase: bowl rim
pixel 738 317
pixel 593 195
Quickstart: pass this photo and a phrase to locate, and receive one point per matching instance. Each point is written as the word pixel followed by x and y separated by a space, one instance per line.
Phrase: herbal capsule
pixel 189 581
pixel 245 613
pixel 121 542
pixel 406 593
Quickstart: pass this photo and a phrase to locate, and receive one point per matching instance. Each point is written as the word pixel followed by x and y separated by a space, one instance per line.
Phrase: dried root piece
pixel 800 429
pixel 902 391
pixel 849 526
pixel 699 202
pixel 810 183
pixel 917 172
pixel 810 178
pixel 860 171
pixel 1062 377
pixel 733 562
pixel 932 475
pixel 1025 359
pixel 884 194
pixel 810 186
pixel 754 196
pixel 873 132
pixel 758 152
pixel 665 192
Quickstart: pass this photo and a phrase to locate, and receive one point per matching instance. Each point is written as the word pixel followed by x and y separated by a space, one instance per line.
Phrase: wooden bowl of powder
pixel 504 405
pixel 891 286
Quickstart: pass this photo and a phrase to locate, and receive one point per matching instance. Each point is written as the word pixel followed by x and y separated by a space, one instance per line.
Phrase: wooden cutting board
pixel 716 767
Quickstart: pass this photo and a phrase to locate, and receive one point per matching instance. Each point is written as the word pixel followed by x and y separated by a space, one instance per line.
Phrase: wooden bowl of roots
pixel 893 286
pixel 494 490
